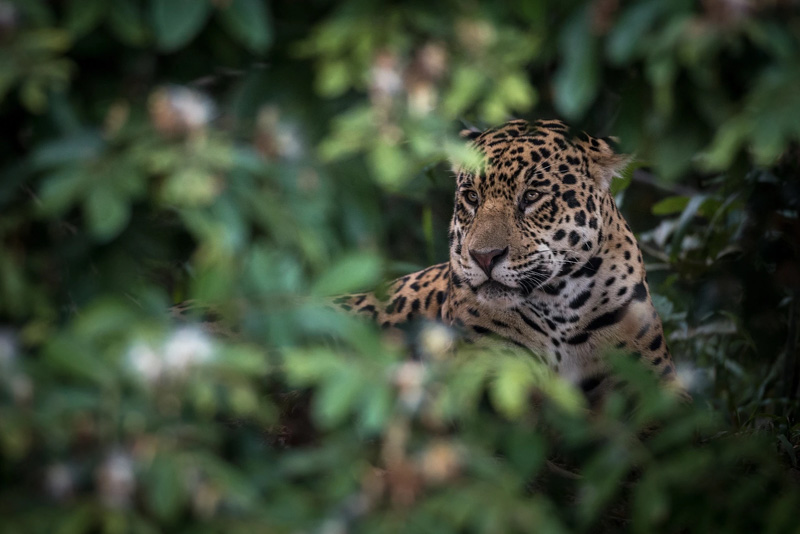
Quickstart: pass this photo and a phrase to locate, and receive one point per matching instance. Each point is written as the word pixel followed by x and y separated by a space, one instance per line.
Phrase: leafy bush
pixel 183 180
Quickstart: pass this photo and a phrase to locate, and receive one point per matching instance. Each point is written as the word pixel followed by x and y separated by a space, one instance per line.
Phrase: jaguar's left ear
pixel 604 162
pixel 473 160
pixel 470 133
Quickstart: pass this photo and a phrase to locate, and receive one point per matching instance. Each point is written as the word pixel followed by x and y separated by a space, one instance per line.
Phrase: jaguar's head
pixel 532 210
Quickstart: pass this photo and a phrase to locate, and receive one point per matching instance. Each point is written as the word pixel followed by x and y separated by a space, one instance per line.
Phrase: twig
pixel 650 179
pixel 791 375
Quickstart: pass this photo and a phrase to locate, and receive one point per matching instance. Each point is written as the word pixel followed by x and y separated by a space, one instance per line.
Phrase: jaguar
pixel 540 256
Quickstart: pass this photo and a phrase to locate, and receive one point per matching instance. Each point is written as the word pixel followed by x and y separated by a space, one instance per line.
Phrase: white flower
pixel 195 108
pixel 409 379
pixel 115 480
pixel 186 348
pixel 177 110
pixel 145 362
pixel 385 76
pixel 690 378
pixel 436 340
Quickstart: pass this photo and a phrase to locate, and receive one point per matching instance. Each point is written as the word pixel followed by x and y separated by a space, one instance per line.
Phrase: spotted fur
pixel 539 256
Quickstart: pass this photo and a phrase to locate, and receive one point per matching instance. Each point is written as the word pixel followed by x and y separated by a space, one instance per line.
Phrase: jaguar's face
pixel 532 214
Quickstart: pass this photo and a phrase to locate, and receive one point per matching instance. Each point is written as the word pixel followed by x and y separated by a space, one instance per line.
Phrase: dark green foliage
pixel 181 181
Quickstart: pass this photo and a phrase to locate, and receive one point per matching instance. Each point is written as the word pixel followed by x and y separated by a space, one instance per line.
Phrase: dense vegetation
pixel 183 179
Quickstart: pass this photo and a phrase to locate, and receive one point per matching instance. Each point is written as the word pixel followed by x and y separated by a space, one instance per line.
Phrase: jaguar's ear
pixel 470 159
pixel 470 133
pixel 604 162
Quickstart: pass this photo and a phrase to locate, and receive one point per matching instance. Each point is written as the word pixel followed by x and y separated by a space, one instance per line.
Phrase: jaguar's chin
pixel 498 294
pixel 492 287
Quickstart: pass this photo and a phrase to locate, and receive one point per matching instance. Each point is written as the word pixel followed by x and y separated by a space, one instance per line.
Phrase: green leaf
pixel 468 82
pixel 509 390
pixel 623 181
pixel 376 408
pixel 84 15
pixel 106 213
pixel 389 165
pixel 249 21
pixel 77 147
pixel 577 79
pixel 126 20
pixel 79 519
pixel 337 396
pixel 670 205
pixel 682 226
pixel 788 448
pixel 333 79
pixel 629 33
pixel 517 91
pixel 650 504
pixel 728 140
pixel 353 272
pixel 176 22
pixel 71 357
pixel 164 492
pixel 526 450
pixel 61 190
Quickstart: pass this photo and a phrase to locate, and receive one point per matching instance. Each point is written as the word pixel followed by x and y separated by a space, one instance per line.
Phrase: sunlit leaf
pixel 511 387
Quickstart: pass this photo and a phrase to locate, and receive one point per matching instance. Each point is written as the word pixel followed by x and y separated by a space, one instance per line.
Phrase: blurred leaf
pixel 388 164
pixel 629 32
pixel 670 205
pixel 176 22
pixel 106 212
pixel 62 189
pixel 650 505
pixel 788 448
pixel 77 147
pixel 127 20
pixel 350 273
pixel 526 450
pixel 337 397
pixel 84 15
pixel 249 21
pixel 622 182
pixel 510 388
pixel 576 81
pixel 79 520
pixel 682 226
pixel 333 79
pixel 74 358
pixel 468 83
pixel 377 405
pixel 165 493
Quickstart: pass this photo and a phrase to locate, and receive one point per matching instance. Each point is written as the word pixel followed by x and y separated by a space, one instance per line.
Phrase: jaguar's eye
pixel 471 196
pixel 530 197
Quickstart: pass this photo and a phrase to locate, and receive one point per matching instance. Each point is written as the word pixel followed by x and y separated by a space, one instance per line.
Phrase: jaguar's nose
pixel 487 259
